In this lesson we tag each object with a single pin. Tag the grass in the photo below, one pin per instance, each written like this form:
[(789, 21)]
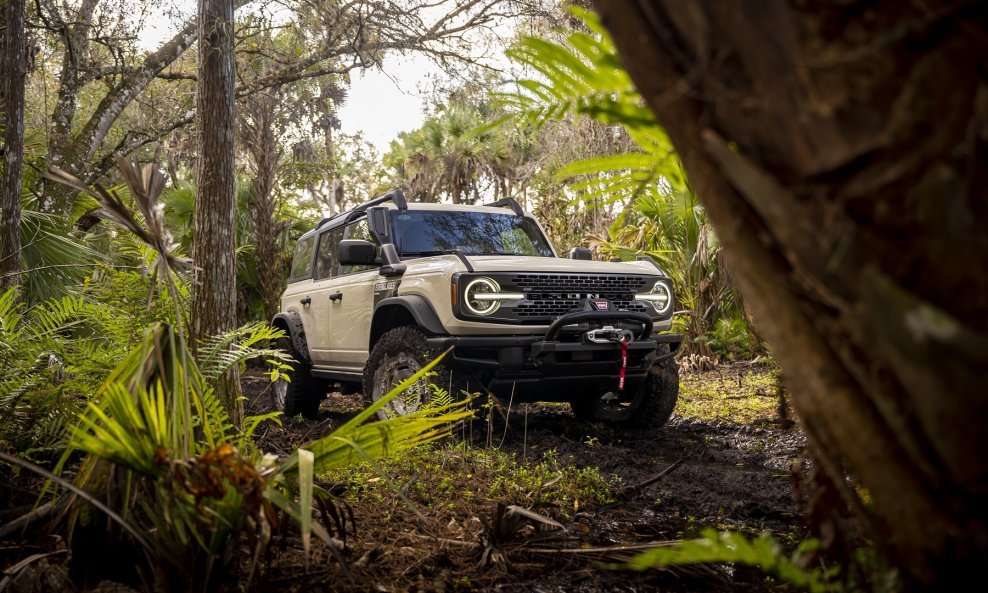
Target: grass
[(472, 480), (739, 394)]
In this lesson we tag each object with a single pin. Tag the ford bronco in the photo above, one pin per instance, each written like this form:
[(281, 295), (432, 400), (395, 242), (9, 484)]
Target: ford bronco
[(378, 291)]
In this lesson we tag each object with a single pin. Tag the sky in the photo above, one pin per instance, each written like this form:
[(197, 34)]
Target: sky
[(383, 102)]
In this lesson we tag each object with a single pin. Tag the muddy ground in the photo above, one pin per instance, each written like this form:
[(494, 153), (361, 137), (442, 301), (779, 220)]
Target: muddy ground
[(697, 472), (531, 500)]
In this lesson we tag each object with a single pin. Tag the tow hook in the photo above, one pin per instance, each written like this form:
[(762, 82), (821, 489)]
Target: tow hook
[(610, 335)]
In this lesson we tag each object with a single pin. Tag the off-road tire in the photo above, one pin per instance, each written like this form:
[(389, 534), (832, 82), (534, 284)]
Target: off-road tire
[(303, 393), (651, 406), (398, 354)]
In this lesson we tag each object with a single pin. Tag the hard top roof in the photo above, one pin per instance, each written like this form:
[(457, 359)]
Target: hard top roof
[(395, 200)]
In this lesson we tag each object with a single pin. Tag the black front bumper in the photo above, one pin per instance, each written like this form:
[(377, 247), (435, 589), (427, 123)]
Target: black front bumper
[(560, 364)]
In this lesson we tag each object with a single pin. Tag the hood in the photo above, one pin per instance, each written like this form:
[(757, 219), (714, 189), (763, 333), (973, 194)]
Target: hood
[(520, 263)]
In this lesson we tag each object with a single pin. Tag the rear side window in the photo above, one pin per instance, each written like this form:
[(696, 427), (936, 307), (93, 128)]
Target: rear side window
[(302, 263), (328, 255)]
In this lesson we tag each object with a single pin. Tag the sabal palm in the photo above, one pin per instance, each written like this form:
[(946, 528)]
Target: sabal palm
[(449, 155), (672, 228)]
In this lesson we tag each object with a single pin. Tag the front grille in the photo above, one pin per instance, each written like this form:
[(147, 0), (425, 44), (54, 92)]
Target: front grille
[(595, 283), (550, 295)]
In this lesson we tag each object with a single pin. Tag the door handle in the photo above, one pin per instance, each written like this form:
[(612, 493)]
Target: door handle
[(306, 300), (336, 296)]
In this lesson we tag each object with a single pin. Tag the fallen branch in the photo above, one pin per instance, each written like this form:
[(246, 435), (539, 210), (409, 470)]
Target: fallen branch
[(38, 514), (635, 489)]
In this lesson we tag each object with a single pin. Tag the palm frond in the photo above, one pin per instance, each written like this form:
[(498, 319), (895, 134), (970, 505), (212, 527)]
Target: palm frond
[(355, 442), (584, 77)]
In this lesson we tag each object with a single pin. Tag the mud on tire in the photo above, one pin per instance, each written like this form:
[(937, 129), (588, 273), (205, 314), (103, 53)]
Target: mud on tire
[(397, 355), (650, 407), (303, 393)]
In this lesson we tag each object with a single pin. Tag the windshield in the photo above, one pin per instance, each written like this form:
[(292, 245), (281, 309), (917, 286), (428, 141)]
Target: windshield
[(432, 232)]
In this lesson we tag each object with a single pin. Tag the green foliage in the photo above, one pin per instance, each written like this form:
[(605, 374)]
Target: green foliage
[(54, 355), (450, 156), (194, 486), (59, 352), (218, 354), (762, 552), (728, 394), (178, 204), (584, 77), (731, 339), (453, 476)]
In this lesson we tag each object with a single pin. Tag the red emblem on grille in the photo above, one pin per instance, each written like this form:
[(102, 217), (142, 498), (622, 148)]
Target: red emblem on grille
[(601, 305)]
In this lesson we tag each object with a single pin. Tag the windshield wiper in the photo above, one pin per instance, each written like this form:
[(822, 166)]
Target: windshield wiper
[(430, 253)]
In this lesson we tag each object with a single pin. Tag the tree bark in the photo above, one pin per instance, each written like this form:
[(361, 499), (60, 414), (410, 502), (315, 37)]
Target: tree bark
[(13, 69), (262, 147), (214, 302), (840, 151)]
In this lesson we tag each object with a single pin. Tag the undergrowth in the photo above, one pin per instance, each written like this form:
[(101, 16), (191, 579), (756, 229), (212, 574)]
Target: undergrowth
[(738, 394), (461, 476)]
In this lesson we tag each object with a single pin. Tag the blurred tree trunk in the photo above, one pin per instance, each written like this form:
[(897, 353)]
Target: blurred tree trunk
[(13, 68), (840, 151), (214, 303), (262, 148)]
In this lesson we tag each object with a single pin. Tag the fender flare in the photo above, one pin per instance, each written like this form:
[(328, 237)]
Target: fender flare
[(291, 322), (417, 306)]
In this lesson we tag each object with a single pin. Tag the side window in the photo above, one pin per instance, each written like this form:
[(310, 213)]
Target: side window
[(302, 262), (328, 254), (360, 230)]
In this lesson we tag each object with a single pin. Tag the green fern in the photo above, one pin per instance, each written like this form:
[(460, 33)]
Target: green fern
[(440, 397), (54, 354), (218, 354), (583, 77)]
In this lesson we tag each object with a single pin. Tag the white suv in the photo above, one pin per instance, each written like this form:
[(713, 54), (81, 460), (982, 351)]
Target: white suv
[(377, 292)]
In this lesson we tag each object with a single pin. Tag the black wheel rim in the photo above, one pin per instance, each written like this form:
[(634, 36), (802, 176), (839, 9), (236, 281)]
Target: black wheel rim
[(394, 370)]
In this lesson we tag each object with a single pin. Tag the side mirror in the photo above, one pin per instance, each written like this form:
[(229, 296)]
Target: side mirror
[(581, 253), (356, 252)]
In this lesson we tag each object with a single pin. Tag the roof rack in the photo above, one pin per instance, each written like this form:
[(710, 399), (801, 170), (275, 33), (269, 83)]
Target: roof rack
[(392, 196), (510, 203)]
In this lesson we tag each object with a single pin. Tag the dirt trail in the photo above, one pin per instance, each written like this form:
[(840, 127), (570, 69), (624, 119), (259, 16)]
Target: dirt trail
[(717, 474)]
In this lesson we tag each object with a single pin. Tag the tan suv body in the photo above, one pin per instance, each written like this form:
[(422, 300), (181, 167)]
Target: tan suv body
[(375, 292)]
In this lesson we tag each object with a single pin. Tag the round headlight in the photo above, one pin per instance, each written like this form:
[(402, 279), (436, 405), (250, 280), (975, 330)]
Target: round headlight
[(663, 297), (475, 293), (660, 296)]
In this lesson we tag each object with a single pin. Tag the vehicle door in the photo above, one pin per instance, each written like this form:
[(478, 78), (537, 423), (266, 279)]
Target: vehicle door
[(324, 280), (297, 296), (354, 304)]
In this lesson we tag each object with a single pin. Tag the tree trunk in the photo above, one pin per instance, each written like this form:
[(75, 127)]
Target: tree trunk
[(262, 147), (214, 303), (840, 151), (13, 68)]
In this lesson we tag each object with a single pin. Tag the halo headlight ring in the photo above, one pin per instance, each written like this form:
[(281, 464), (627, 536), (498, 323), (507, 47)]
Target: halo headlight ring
[(662, 305), (660, 297), (480, 286)]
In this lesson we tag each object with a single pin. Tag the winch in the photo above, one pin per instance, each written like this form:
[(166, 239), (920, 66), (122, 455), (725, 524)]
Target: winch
[(610, 334)]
